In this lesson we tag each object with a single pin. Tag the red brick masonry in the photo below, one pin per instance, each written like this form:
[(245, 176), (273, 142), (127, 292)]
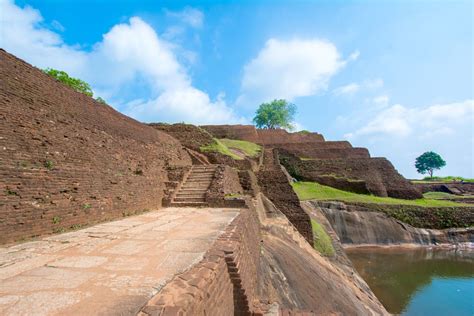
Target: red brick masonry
[(223, 283)]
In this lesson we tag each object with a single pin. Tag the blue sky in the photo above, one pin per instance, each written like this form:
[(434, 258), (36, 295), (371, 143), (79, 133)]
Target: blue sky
[(393, 76)]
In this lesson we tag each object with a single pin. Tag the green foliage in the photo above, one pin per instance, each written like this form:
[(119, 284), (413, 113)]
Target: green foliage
[(445, 196), (56, 220), (428, 162), (248, 148), (316, 191), (76, 84), (100, 100), (276, 114), (10, 192), (322, 241), (305, 132), (49, 164), (218, 147)]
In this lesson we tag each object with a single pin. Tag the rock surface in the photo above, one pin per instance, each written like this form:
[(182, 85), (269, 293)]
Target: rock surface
[(376, 228)]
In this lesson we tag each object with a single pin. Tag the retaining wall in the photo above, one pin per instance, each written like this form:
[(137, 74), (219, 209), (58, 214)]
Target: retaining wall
[(223, 283), (67, 160)]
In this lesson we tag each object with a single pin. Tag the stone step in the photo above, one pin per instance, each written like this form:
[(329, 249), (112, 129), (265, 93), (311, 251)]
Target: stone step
[(191, 192), (203, 171), (195, 185), (186, 199), (192, 189), (206, 176), (190, 204), (199, 180), (191, 196)]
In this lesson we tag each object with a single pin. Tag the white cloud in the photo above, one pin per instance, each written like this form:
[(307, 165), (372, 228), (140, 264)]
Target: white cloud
[(191, 16), (401, 121), (130, 54), (347, 89), (290, 69), (381, 100), (354, 87)]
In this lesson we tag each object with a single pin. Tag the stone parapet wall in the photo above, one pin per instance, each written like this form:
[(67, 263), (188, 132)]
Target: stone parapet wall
[(379, 175), (278, 136), (223, 283), (67, 160), (241, 132)]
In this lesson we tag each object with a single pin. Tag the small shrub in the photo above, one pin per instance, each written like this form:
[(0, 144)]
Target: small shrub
[(49, 165), (76, 84), (56, 220), (86, 206), (100, 100), (11, 192)]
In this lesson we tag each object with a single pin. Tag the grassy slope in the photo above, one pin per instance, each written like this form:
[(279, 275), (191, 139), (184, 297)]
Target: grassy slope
[(220, 147), (322, 241), (250, 149), (448, 179), (445, 196), (311, 190)]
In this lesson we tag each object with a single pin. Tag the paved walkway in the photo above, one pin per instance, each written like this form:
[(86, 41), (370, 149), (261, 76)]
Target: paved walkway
[(107, 269)]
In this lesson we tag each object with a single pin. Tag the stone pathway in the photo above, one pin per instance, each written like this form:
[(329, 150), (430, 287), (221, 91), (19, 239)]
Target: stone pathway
[(108, 269)]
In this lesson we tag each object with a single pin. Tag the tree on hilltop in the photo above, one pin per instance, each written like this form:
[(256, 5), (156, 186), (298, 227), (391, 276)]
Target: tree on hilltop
[(428, 162), (275, 114)]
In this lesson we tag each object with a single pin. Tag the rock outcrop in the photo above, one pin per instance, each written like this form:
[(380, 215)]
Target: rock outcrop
[(359, 228)]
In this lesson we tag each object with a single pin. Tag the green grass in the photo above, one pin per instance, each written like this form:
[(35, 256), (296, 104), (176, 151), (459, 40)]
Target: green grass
[(248, 148), (447, 179), (445, 196), (322, 241), (219, 147), (315, 191)]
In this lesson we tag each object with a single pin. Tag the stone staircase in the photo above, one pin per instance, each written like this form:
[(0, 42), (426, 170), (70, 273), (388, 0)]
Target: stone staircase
[(192, 191)]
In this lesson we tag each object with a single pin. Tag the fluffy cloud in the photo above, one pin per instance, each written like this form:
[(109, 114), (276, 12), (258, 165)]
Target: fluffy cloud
[(131, 56), (401, 121), (290, 69)]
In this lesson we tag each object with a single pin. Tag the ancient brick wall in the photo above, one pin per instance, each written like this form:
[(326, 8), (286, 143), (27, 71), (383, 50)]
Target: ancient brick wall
[(275, 185), (189, 135), (67, 160), (278, 136), (328, 153), (223, 283), (242, 132), (379, 175)]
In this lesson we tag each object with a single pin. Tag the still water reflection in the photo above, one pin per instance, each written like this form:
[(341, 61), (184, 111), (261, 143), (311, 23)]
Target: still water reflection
[(419, 281)]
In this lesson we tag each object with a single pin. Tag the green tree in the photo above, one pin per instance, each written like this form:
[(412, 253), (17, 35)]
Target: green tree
[(76, 84), (276, 114), (428, 162)]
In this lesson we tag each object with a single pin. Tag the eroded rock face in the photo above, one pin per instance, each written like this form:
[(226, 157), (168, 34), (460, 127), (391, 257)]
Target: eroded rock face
[(376, 228)]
